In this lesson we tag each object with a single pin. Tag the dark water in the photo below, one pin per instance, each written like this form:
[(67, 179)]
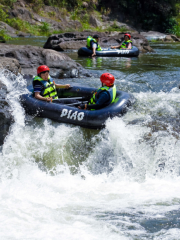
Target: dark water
[(126, 178)]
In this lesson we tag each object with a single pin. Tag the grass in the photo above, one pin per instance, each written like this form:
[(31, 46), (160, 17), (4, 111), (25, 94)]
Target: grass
[(4, 37), (154, 40), (176, 30)]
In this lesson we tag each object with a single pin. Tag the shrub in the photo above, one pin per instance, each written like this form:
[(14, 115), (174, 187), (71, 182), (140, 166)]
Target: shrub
[(8, 2), (4, 36), (52, 14), (45, 28), (176, 30)]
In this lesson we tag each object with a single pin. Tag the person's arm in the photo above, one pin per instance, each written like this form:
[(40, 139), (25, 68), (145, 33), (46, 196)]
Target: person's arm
[(38, 96), (113, 47), (94, 49), (103, 98), (94, 52), (66, 86), (129, 46)]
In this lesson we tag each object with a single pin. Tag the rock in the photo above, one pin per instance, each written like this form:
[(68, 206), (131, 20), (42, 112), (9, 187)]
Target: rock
[(8, 30), (21, 4), (85, 4), (30, 57), (168, 38), (72, 44), (12, 31), (10, 64), (176, 39), (35, 19), (94, 21), (105, 18), (22, 13), (5, 113)]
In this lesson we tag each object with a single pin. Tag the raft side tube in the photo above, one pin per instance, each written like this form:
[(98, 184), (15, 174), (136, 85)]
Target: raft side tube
[(70, 114), (134, 52)]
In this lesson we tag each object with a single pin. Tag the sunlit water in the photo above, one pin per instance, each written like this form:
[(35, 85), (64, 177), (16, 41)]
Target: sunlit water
[(59, 181)]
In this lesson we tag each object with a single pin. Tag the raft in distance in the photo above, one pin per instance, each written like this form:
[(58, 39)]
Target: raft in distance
[(108, 52)]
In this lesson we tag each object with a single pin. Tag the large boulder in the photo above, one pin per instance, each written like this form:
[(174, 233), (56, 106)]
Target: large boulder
[(168, 38), (76, 40), (10, 64), (30, 57), (12, 31), (5, 113), (6, 118), (94, 21)]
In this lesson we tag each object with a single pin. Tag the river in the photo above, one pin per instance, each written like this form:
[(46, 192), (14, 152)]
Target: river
[(59, 181)]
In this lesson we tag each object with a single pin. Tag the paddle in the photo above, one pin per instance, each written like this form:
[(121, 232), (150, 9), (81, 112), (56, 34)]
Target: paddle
[(75, 98), (77, 103)]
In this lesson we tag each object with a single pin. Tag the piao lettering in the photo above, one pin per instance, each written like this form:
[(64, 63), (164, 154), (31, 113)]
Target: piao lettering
[(72, 115), (123, 52)]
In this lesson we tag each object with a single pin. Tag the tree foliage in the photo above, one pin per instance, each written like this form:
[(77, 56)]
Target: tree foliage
[(147, 14), (143, 14)]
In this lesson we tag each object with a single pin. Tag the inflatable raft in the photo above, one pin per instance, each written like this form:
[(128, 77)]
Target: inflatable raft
[(71, 114), (134, 52)]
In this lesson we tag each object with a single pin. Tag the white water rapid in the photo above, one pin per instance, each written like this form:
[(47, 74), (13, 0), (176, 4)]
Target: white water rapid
[(63, 182)]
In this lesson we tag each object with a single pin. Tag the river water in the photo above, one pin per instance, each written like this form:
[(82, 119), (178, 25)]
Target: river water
[(59, 181)]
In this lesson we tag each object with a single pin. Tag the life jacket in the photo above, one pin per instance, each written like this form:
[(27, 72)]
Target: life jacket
[(49, 87), (111, 91), (125, 44), (89, 43)]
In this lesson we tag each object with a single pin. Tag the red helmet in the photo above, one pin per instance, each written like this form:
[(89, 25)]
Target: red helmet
[(42, 68), (127, 34), (108, 79)]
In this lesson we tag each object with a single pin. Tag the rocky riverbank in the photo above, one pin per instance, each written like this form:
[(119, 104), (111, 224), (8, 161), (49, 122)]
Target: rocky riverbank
[(29, 57)]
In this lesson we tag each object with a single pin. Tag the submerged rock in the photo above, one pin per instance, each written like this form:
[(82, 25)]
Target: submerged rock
[(76, 40)]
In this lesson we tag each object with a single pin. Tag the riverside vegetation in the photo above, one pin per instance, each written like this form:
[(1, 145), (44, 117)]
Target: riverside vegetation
[(160, 15)]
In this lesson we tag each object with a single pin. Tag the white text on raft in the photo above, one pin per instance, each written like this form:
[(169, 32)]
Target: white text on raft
[(123, 52), (74, 115)]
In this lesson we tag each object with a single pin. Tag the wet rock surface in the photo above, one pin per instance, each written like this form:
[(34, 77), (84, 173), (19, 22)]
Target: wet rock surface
[(30, 57), (10, 64), (6, 65), (5, 113), (76, 40)]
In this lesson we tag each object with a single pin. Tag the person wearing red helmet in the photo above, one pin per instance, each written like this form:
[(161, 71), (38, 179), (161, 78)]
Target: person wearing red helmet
[(126, 44), (104, 95), (44, 86)]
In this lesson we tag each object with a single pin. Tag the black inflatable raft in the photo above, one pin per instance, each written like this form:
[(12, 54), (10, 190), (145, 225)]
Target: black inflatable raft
[(70, 114), (134, 52)]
